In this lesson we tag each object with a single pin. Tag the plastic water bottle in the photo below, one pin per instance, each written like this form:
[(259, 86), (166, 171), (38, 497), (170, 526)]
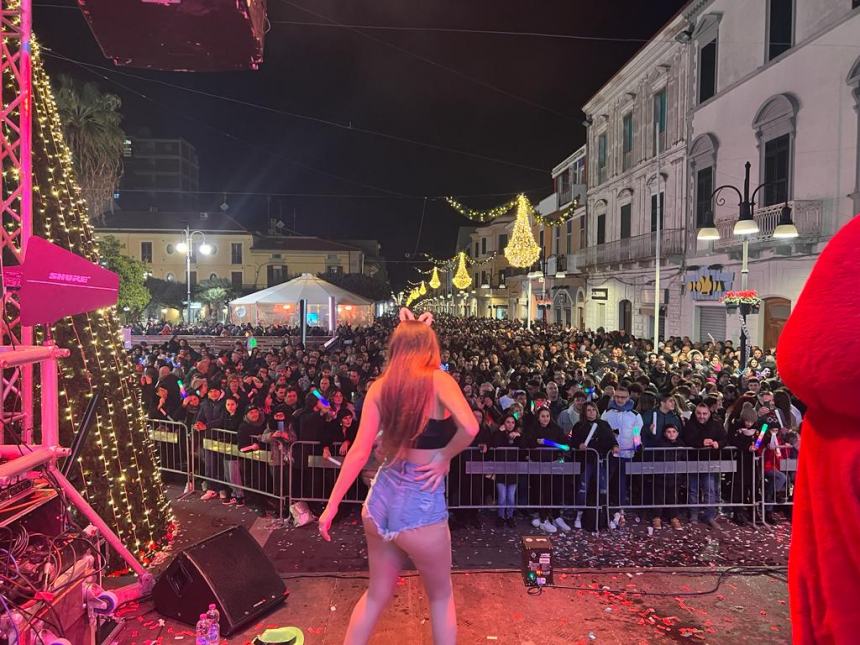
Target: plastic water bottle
[(214, 619), (202, 631)]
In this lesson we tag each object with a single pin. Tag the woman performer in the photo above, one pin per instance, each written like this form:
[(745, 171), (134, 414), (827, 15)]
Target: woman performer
[(425, 421)]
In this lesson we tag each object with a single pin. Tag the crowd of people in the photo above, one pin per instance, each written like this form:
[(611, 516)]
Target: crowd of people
[(579, 392), (220, 329)]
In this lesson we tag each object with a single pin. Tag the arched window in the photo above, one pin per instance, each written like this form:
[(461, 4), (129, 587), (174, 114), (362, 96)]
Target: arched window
[(703, 167), (775, 125), (625, 316)]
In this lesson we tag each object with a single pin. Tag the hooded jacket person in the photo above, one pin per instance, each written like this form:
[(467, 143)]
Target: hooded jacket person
[(624, 421), (655, 420)]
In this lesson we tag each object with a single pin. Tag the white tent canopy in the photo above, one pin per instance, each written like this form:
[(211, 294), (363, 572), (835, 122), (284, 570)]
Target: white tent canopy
[(280, 304)]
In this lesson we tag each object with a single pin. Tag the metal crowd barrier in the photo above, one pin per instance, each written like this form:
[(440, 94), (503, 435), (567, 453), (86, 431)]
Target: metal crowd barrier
[(224, 467), (776, 487), (663, 482), (173, 447), (514, 478), (675, 482), (312, 475), (539, 478)]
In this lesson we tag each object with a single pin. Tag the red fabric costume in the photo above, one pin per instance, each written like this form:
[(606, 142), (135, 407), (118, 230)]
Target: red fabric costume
[(819, 358)]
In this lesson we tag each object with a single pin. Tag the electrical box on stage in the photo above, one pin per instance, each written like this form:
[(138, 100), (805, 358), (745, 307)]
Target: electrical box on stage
[(537, 560)]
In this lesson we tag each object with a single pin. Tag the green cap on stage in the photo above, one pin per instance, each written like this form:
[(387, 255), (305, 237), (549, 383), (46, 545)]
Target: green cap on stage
[(280, 636)]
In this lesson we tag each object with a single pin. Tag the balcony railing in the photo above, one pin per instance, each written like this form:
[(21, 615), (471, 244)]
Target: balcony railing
[(806, 215), (565, 196), (632, 249)]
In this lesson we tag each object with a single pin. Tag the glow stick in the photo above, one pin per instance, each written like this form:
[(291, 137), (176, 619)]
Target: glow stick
[(320, 397), (334, 461), (761, 435), (637, 436), (591, 433), (553, 444), (182, 389)]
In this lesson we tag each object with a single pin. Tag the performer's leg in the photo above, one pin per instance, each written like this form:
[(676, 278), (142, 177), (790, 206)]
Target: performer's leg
[(385, 560), (429, 547)]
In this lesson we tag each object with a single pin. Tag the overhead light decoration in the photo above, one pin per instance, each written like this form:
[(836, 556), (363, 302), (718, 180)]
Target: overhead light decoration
[(422, 290), (522, 250), (462, 279), (435, 283)]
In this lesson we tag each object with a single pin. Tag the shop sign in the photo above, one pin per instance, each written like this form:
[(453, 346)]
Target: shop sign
[(709, 284), (600, 294)]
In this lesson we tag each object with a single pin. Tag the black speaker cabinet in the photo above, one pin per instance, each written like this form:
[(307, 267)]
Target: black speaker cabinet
[(229, 569)]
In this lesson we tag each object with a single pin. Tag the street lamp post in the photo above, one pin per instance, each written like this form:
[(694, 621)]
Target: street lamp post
[(187, 247), (744, 227)]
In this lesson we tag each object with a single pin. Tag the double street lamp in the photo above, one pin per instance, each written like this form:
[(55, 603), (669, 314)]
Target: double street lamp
[(186, 246), (745, 226)]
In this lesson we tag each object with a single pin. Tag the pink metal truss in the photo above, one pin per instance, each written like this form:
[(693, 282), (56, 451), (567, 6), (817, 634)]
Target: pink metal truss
[(16, 180)]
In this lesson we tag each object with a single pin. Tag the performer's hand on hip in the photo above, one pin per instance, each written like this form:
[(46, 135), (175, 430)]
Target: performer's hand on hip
[(433, 474), (326, 520)]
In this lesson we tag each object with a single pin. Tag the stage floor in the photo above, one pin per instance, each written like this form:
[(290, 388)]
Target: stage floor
[(494, 606)]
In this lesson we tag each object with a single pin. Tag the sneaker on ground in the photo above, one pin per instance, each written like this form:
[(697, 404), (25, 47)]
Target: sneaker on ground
[(536, 522), (560, 523), (577, 523), (713, 524), (189, 488), (240, 501), (229, 501), (548, 526), (209, 494)]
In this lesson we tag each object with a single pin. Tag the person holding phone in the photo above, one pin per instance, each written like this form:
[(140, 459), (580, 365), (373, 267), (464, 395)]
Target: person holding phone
[(424, 422)]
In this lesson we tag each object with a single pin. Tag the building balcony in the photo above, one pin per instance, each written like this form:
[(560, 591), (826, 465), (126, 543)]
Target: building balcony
[(806, 215), (574, 193), (567, 264), (631, 249)]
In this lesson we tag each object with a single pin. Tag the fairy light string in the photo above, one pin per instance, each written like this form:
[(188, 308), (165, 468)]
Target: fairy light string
[(118, 468)]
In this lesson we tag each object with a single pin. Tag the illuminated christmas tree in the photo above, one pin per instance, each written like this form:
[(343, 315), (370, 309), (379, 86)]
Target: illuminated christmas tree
[(117, 470)]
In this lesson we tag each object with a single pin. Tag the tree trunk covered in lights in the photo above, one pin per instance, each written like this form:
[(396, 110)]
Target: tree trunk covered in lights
[(117, 470)]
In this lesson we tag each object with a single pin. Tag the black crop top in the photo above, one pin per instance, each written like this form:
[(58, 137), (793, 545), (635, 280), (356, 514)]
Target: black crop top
[(437, 433)]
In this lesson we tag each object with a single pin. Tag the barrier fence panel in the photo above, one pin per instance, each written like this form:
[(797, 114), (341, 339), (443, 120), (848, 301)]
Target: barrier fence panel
[(314, 470), (776, 477), (499, 478), (224, 468), (682, 482), (172, 444), (506, 479)]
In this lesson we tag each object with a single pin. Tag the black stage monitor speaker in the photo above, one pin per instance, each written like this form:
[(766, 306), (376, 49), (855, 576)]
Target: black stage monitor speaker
[(229, 569)]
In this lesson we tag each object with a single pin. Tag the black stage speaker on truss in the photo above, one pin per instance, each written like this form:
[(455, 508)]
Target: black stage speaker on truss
[(229, 569)]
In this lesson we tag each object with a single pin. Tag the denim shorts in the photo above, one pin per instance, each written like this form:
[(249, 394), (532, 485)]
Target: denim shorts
[(396, 502)]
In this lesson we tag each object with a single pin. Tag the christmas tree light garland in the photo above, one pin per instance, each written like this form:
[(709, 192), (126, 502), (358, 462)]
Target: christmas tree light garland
[(435, 283), (119, 467), (522, 251), (461, 278)]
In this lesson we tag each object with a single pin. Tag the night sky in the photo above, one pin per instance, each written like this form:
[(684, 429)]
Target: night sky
[(511, 98)]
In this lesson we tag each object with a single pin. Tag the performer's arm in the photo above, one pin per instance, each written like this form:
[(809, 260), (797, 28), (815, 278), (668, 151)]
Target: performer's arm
[(451, 396), (360, 450)]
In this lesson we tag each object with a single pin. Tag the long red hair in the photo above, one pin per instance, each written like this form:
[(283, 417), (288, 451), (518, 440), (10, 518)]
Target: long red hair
[(407, 385)]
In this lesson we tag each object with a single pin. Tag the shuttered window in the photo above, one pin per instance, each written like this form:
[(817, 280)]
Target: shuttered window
[(712, 320)]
